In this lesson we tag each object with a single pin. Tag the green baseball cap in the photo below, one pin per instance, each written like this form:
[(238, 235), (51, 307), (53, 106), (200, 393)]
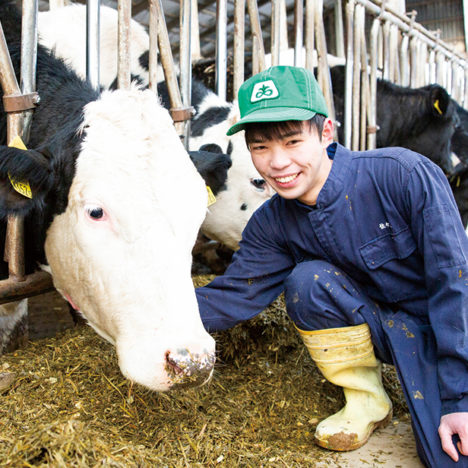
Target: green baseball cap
[(278, 94)]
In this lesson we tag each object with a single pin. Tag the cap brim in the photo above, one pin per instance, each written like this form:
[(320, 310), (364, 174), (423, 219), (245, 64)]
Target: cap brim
[(271, 114)]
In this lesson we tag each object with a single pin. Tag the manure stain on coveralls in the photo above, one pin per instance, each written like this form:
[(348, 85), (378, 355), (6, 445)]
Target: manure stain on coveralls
[(417, 395), (349, 203), (408, 333)]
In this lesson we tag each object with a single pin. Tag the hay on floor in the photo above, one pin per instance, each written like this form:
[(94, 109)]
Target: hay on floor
[(69, 406)]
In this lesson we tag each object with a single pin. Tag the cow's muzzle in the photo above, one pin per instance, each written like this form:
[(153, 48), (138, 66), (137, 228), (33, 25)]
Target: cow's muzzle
[(186, 369)]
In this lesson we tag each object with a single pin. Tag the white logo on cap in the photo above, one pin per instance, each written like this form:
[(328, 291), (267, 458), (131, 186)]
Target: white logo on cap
[(264, 90)]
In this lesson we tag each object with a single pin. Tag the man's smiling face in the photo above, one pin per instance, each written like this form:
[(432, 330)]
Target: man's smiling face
[(295, 164)]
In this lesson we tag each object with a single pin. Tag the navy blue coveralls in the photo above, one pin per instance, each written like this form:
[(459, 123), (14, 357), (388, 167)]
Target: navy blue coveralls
[(385, 245)]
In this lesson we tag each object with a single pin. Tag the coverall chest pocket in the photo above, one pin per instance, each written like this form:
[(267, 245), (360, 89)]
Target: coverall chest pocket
[(394, 266)]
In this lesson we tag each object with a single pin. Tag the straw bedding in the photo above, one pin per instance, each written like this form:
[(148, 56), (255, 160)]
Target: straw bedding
[(67, 405)]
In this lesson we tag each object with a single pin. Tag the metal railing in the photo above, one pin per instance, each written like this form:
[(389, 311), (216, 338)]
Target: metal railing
[(18, 104)]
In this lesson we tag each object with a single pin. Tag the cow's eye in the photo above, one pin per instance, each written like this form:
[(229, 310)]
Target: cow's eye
[(95, 212), (259, 184)]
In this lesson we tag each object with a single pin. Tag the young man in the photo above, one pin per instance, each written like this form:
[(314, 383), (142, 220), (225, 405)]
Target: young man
[(371, 254)]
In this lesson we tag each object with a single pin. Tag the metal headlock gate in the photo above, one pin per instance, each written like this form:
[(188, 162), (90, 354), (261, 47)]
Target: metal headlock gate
[(395, 47), (18, 104)]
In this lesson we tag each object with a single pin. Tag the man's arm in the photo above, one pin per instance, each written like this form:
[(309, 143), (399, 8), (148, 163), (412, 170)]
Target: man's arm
[(443, 244), (252, 281)]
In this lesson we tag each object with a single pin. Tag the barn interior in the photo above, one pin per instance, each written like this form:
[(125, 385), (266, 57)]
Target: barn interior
[(68, 405)]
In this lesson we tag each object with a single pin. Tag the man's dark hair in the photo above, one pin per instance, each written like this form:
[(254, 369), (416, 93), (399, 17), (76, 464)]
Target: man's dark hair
[(277, 130)]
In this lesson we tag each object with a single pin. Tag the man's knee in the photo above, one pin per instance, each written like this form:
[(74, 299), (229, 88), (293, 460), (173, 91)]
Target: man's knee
[(308, 278), (308, 293)]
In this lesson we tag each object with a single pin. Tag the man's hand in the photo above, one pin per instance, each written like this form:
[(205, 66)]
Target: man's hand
[(450, 424)]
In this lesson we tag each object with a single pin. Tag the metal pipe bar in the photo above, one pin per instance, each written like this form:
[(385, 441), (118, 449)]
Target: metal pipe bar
[(93, 16), (404, 24), (339, 29), (239, 33), (404, 61), (28, 58), (221, 48), (14, 250), (35, 283), (153, 46), (414, 53), (166, 59), (185, 58), (310, 34), (386, 50), (124, 10), (358, 27), (365, 87), (393, 53), (258, 49), (440, 68), (7, 73), (195, 33), (348, 109), (372, 118), (324, 78), (19, 286), (275, 32), (432, 66), (283, 20), (298, 32)]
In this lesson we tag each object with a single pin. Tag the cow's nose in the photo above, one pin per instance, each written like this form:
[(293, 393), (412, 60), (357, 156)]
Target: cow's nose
[(187, 369)]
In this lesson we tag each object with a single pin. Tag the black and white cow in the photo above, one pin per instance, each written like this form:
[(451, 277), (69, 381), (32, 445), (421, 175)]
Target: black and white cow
[(244, 190), (421, 119), (108, 222)]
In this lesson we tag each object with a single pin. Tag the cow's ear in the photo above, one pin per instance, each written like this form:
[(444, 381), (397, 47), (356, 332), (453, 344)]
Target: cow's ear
[(439, 101), (25, 180)]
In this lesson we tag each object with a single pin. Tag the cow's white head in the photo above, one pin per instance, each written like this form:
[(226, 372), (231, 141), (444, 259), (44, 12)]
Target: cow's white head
[(121, 250), (245, 190)]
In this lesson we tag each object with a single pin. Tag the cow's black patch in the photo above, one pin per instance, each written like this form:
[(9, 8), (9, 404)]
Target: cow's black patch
[(212, 116), (143, 60), (212, 166)]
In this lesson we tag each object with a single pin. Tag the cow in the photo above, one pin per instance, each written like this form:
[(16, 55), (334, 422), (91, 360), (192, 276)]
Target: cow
[(459, 184), (244, 190), (421, 119), (106, 220), (460, 136)]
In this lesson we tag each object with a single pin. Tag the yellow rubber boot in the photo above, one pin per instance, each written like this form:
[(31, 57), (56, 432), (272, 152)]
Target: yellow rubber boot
[(345, 356)]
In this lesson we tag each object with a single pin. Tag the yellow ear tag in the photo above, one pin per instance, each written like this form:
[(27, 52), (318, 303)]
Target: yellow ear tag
[(211, 197), (21, 187), (437, 108)]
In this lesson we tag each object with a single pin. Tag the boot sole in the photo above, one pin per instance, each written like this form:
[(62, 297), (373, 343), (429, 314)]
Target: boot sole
[(346, 444)]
